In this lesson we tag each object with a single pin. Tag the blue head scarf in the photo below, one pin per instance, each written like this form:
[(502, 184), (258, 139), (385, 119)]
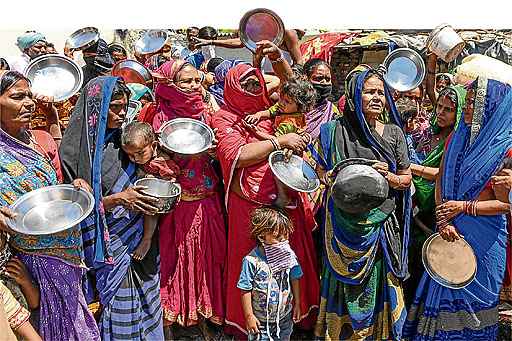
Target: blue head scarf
[(138, 90), (29, 39), (217, 89)]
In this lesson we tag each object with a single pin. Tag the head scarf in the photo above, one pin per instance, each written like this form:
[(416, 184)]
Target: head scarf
[(138, 91), (29, 39), (98, 64), (173, 101), (85, 153), (239, 101), (217, 89)]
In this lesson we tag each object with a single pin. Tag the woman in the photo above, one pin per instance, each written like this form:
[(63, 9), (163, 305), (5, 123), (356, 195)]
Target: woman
[(249, 183), (29, 160), (193, 235), (318, 73), (473, 155), (448, 114), (90, 150), (361, 295), (217, 89)]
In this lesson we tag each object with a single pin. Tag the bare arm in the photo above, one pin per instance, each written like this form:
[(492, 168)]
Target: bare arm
[(291, 40), (492, 207), (431, 78), (427, 173), (439, 199), (254, 153), (234, 43), (252, 323)]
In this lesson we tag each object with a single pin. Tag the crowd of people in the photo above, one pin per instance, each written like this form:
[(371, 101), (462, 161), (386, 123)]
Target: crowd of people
[(241, 255)]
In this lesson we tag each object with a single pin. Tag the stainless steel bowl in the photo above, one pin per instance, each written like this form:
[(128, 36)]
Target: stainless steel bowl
[(151, 41), (167, 192), (261, 24), (296, 173), (54, 75), (83, 38), (405, 69), (186, 136), (132, 72), (51, 209)]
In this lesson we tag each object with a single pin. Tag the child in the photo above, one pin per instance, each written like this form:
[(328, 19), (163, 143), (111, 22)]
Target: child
[(139, 142), (296, 98), (268, 272)]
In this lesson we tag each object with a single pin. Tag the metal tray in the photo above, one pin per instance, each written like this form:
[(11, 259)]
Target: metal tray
[(186, 136), (405, 69), (83, 38), (152, 41), (50, 209), (296, 173), (261, 24), (132, 72), (54, 75)]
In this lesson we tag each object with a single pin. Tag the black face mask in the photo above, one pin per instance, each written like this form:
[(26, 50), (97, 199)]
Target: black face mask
[(323, 92)]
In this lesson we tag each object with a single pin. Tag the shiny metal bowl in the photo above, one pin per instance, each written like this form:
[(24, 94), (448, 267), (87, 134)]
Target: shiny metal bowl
[(54, 75), (261, 24), (151, 41), (83, 38), (186, 136), (167, 192), (132, 72), (50, 209), (296, 173), (405, 69)]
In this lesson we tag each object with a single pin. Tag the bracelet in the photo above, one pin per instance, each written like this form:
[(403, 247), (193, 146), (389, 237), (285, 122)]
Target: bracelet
[(277, 143), (278, 60), (273, 144)]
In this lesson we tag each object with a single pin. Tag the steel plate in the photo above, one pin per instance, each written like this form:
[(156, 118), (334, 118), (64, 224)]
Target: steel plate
[(83, 38), (132, 72), (296, 173), (152, 41), (186, 136), (405, 69), (261, 24)]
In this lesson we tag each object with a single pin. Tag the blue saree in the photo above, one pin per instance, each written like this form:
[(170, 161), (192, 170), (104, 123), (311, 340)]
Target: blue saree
[(128, 290), (473, 156)]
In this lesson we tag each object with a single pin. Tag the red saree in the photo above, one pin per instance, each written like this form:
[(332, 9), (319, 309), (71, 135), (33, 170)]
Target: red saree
[(258, 188)]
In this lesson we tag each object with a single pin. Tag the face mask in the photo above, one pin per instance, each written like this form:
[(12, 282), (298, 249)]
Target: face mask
[(280, 256), (323, 91)]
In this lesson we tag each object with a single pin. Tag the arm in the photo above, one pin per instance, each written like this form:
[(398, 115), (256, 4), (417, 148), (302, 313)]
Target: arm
[(253, 325), (280, 66), (291, 40), (427, 173), (431, 78), (272, 83), (16, 270), (296, 298), (234, 43), (439, 199), (27, 332)]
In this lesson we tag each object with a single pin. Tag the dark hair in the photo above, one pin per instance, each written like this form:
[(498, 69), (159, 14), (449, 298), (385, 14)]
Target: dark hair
[(298, 71), (450, 93), (313, 63), (116, 48), (4, 65), (137, 130), (120, 89), (270, 220), (9, 79), (213, 63), (192, 28), (207, 32), (407, 108), (301, 92), (443, 77)]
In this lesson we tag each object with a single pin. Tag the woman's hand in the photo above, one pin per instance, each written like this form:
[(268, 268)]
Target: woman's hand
[(252, 324), (198, 42), (269, 49), (6, 213), (293, 141), (449, 210), (45, 103), (16, 270), (133, 199), (82, 184), (449, 233)]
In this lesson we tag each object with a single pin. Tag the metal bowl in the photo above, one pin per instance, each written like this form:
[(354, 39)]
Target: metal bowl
[(167, 192), (261, 24), (296, 173), (83, 38), (50, 209), (405, 69), (186, 136), (132, 72), (54, 75), (152, 41), (451, 264)]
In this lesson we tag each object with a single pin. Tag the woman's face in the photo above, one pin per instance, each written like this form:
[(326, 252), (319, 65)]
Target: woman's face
[(321, 75), (469, 107), (117, 112), (374, 98), (251, 84), (16, 107), (441, 84), (188, 79), (446, 112)]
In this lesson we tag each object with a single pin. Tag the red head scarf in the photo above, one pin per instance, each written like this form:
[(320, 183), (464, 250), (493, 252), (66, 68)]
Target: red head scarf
[(239, 101), (173, 102)]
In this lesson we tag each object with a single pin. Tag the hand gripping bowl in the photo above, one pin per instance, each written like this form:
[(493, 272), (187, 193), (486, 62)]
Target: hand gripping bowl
[(451, 264), (56, 76), (83, 38), (261, 24), (167, 192), (186, 136), (296, 173), (151, 41), (50, 209), (405, 69)]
